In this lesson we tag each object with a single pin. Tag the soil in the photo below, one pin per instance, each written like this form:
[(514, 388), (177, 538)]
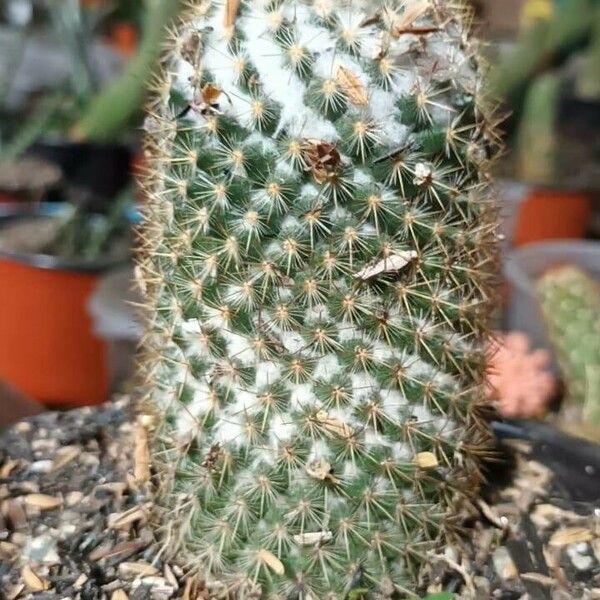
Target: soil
[(37, 236), (75, 511), (28, 175), (29, 236)]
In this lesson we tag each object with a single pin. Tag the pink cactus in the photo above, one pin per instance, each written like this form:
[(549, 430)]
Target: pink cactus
[(520, 382)]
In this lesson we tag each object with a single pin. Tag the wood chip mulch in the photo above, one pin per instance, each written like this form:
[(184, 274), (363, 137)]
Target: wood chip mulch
[(74, 524), (73, 519), (532, 542)]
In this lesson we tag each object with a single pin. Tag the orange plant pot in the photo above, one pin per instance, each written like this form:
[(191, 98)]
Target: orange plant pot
[(553, 214), (124, 37), (47, 348), (6, 198)]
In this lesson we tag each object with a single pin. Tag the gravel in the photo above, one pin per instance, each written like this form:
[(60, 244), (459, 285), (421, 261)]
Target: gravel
[(76, 509)]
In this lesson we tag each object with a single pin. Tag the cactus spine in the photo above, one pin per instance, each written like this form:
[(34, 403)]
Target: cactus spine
[(570, 300), (316, 261)]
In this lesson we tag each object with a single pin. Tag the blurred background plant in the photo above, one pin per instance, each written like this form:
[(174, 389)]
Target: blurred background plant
[(546, 74), (73, 76), (550, 83), (520, 381), (71, 95), (58, 55), (570, 301)]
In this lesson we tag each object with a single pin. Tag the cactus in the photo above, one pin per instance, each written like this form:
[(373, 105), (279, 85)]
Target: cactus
[(570, 302), (537, 142), (544, 47), (588, 84), (532, 80), (317, 258)]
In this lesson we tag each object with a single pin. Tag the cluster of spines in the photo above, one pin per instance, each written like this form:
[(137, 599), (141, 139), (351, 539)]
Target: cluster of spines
[(264, 240)]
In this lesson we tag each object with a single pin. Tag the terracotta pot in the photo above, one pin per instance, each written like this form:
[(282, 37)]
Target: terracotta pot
[(7, 198), (547, 214), (124, 38), (47, 347)]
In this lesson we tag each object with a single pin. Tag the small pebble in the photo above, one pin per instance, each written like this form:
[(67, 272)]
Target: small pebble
[(19, 539), (23, 428), (73, 498), (44, 445), (578, 553), (89, 460), (158, 586), (504, 565), (131, 570), (41, 466), (42, 550)]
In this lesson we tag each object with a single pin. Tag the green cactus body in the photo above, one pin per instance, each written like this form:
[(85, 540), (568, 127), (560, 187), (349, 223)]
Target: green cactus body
[(537, 141), (570, 301), (317, 257)]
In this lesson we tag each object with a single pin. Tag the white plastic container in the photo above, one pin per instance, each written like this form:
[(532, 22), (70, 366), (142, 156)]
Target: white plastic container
[(510, 195), (525, 265), (115, 320)]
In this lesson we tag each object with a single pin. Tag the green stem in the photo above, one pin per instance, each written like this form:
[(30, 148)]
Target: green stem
[(70, 29), (33, 129), (112, 110), (536, 137), (115, 219)]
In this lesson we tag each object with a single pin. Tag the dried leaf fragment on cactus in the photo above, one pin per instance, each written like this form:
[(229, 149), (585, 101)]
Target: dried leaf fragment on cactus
[(317, 259)]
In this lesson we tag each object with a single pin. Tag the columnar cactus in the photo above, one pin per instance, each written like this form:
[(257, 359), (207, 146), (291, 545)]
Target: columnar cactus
[(317, 257), (570, 301)]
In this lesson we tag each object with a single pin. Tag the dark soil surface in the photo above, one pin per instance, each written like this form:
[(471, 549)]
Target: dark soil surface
[(29, 236), (73, 519), (74, 523)]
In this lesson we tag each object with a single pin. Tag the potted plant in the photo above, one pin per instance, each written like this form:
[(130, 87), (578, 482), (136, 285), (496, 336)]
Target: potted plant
[(570, 300), (51, 257), (81, 132), (554, 289), (336, 425), (548, 82), (81, 126), (314, 267), (314, 351)]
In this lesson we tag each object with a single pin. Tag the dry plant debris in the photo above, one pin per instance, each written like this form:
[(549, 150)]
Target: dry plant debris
[(74, 511), (531, 543)]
